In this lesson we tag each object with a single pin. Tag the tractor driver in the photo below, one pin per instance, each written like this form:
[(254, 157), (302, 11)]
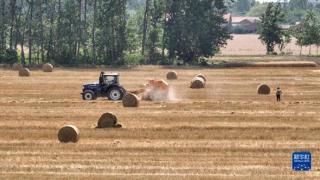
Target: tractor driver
[(101, 81)]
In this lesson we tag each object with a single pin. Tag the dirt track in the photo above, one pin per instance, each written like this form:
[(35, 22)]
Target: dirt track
[(223, 131)]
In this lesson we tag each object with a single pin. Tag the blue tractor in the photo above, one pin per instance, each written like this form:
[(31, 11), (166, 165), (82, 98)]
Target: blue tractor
[(108, 86)]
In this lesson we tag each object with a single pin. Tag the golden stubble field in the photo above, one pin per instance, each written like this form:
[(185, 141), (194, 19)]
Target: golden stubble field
[(224, 131), (249, 44)]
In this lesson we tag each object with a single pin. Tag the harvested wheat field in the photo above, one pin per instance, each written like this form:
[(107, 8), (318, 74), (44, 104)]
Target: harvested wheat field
[(223, 131), (250, 44)]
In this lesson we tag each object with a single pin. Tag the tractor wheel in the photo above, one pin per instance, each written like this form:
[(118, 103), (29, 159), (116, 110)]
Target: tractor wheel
[(115, 94), (88, 95)]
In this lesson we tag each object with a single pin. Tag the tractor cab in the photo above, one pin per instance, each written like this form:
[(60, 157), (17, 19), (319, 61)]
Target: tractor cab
[(109, 79)]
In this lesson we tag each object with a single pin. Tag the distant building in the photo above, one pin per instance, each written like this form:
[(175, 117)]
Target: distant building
[(242, 24), (249, 24)]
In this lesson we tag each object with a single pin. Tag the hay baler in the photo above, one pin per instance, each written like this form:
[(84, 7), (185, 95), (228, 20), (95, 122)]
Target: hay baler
[(154, 90)]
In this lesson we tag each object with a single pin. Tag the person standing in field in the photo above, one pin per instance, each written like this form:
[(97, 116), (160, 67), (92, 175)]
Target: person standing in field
[(278, 94), (101, 78)]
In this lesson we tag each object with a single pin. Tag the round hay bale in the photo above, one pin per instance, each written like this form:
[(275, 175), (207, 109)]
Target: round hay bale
[(107, 120), (197, 83), (172, 75), (17, 66), (202, 76), (118, 126), (25, 72), (69, 133), (264, 89), (130, 100), (47, 67)]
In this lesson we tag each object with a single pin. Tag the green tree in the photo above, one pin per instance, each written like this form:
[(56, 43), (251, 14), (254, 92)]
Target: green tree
[(242, 6), (30, 28), (297, 32), (93, 32), (134, 31), (269, 31), (307, 32), (3, 27), (311, 30), (285, 40), (154, 41), (195, 29), (111, 31), (257, 10), (298, 4), (71, 32), (145, 25)]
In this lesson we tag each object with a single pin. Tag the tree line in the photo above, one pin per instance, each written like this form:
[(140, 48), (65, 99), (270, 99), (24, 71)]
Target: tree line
[(307, 32), (111, 32)]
